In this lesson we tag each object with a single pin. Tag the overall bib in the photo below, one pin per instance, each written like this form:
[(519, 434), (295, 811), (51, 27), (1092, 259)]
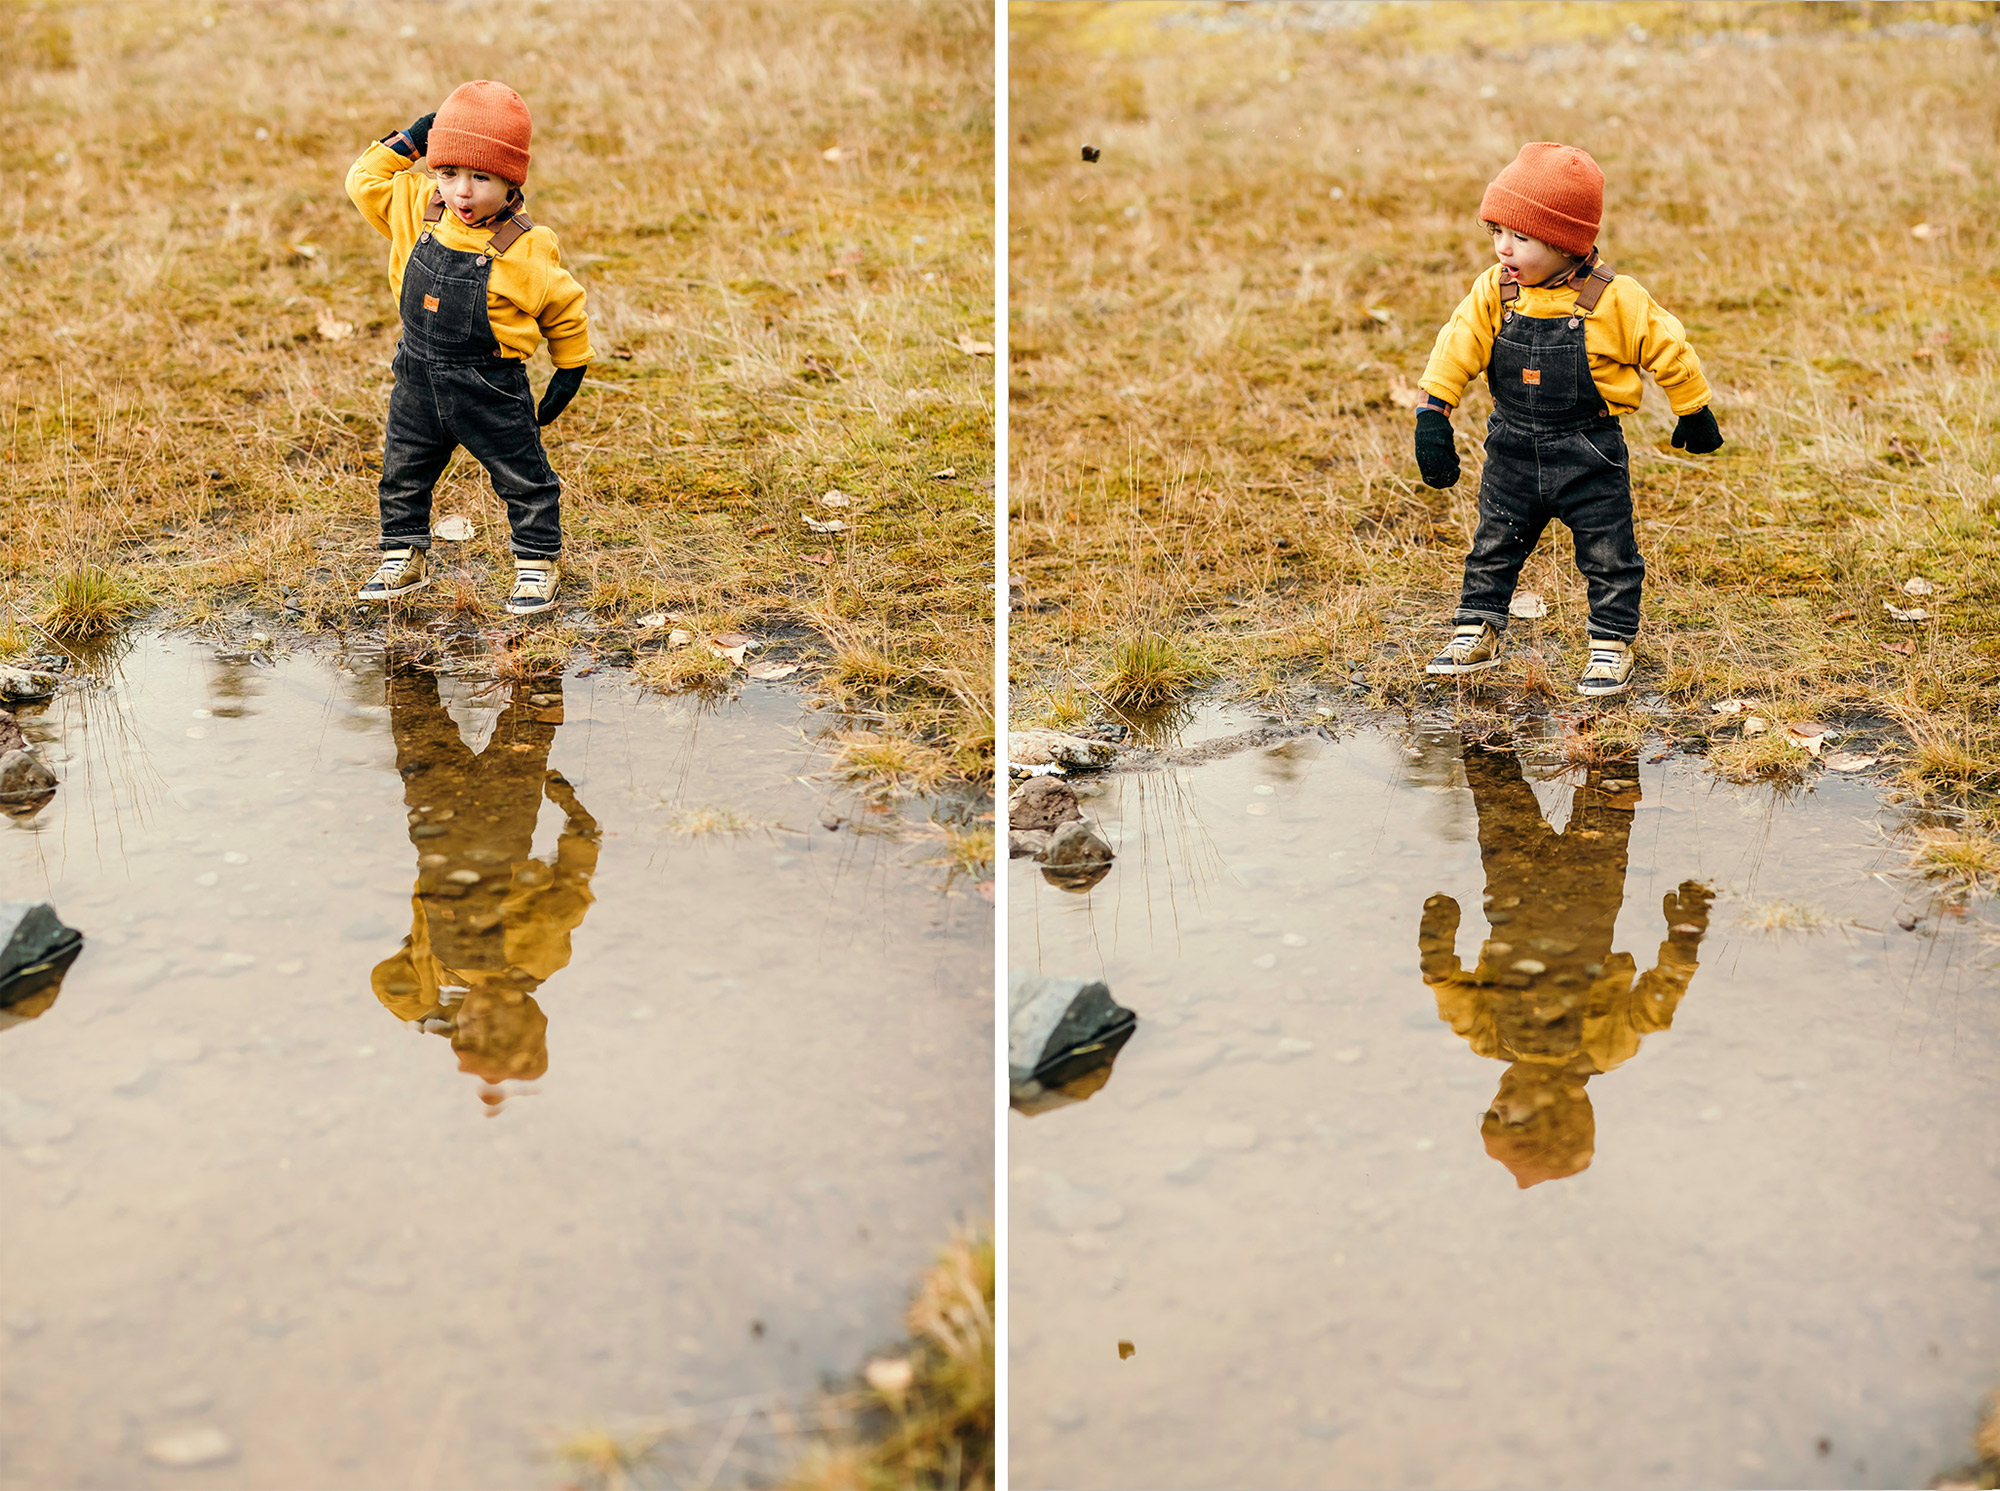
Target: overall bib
[(454, 387), (1553, 452)]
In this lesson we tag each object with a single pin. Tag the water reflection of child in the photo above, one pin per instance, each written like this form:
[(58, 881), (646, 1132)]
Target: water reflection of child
[(491, 923), (1548, 995)]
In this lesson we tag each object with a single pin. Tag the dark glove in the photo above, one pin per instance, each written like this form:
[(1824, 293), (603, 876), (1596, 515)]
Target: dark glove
[(1697, 433), (555, 398), (1437, 456), (420, 134)]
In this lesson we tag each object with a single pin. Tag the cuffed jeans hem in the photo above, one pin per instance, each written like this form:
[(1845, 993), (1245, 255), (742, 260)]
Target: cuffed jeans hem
[(414, 541), (538, 558), (1496, 619), (1606, 634)]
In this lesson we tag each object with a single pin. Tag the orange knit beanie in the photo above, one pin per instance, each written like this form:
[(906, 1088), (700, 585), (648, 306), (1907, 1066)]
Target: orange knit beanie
[(482, 127), (1551, 192)]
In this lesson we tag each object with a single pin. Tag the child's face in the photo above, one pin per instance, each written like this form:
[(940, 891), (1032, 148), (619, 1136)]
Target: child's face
[(1530, 259), (473, 195)]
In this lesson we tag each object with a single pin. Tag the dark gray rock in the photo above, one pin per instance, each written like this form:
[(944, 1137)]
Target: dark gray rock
[(36, 950), (1077, 846), (25, 683), (11, 738), (25, 783), (1060, 1030), (1042, 803)]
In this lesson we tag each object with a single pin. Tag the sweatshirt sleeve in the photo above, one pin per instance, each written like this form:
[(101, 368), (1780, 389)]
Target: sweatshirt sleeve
[(564, 322), (371, 183), (1656, 341), (1465, 344)]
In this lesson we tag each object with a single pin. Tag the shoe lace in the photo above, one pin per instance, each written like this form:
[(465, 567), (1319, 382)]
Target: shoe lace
[(1605, 660)]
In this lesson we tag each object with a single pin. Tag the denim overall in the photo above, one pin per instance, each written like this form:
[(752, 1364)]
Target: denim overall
[(454, 386), (1553, 451)]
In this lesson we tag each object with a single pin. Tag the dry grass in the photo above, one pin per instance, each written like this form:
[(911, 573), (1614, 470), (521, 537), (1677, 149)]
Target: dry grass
[(711, 821), (936, 1434), (1782, 916), (1965, 860), (769, 322), (890, 762), (1211, 324)]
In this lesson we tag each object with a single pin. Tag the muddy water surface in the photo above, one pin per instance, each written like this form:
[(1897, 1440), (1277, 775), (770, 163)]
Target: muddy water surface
[(1486, 1126), (423, 1095)]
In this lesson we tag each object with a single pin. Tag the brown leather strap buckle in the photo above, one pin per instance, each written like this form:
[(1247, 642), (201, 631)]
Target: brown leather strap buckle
[(436, 208), (1592, 278), (510, 233)]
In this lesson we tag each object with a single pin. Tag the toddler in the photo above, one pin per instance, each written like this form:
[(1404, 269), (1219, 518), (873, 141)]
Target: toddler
[(1563, 340), (479, 286)]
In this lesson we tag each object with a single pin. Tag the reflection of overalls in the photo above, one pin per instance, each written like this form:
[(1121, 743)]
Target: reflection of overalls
[(455, 387), (1548, 995), (1552, 451), (491, 924)]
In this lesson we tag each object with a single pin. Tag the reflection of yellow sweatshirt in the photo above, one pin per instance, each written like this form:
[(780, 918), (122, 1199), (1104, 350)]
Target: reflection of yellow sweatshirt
[(1626, 335), (530, 296)]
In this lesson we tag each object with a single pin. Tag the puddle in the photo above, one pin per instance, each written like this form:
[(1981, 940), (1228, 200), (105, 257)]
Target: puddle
[(1467, 1140), (425, 1094)]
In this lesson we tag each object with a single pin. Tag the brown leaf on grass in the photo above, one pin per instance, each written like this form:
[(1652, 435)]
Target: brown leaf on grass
[(1401, 394), (1381, 313), (890, 1376), (1921, 230), (837, 153), (732, 645), (822, 558), (831, 525), (972, 346), (944, 475), (1848, 761), (1901, 649), (834, 497), (679, 638), (455, 529), (771, 672), (1527, 605), (1918, 585), (304, 250), (763, 528), (1915, 615), (657, 619), (623, 354), (332, 328), (1729, 706), (1755, 724), (1808, 737), (1839, 616)]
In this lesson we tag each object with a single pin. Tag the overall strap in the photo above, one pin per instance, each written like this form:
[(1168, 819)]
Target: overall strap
[(436, 208), (1591, 279), (1510, 289), (510, 233)]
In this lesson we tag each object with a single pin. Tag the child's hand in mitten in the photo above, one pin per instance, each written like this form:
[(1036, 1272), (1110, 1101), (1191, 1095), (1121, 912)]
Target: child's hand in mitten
[(1437, 456), (555, 398), (1697, 433), (420, 133)]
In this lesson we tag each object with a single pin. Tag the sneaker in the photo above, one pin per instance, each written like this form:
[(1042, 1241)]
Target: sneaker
[(535, 583), (1609, 670), (400, 572), (1473, 648)]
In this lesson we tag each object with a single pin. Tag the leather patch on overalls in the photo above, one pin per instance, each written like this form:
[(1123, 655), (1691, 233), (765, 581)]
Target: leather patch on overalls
[(430, 302), (1528, 375)]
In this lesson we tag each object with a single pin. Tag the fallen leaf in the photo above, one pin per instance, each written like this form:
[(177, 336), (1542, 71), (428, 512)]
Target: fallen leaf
[(1755, 724), (834, 497), (1808, 738), (623, 354), (1838, 617), (945, 475), (305, 250), (821, 558), (1849, 761), (831, 525), (455, 529), (1921, 230), (837, 154), (1924, 354), (1901, 649), (1527, 605), (972, 346), (657, 619), (891, 1376), (1401, 394), (718, 647), (332, 328), (679, 638), (1729, 706), (763, 528), (1914, 614), (1917, 585), (771, 672), (836, 273), (1381, 313)]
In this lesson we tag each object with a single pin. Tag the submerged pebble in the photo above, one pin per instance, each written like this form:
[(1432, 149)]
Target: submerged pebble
[(191, 1448)]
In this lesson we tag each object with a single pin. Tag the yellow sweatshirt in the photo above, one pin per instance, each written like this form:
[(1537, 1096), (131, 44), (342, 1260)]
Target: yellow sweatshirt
[(1627, 334), (529, 296)]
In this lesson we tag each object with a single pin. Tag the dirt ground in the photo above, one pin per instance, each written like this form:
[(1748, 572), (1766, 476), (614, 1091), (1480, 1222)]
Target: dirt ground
[(782, 215), (1217, 328)]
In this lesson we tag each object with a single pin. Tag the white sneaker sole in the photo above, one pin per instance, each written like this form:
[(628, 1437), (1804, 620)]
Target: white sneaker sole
[(1452, 670), (1604, 693), (367, 597), (547, 605)]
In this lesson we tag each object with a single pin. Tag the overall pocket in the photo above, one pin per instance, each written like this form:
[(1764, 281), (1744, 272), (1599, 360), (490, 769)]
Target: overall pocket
[(1604, 448), (441, 309)]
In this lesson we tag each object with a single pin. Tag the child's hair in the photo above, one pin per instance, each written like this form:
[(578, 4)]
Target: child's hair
[(1493, 227)]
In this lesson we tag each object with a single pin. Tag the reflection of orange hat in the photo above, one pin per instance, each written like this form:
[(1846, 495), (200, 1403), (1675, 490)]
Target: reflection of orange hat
[(499, 1032), (1540, 1126)]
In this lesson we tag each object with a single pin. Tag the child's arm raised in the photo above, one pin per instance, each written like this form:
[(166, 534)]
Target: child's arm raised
[(371, 180)]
